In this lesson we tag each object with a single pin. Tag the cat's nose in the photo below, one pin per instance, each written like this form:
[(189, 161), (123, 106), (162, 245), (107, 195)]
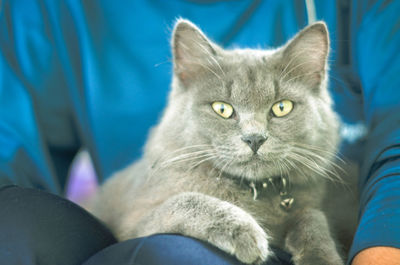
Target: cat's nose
[(254, 141)]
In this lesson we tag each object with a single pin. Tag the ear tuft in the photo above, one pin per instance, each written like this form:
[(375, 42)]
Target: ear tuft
[(192, 50), (305, 55)]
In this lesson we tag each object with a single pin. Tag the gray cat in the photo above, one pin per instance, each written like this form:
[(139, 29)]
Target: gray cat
[(242, 154)]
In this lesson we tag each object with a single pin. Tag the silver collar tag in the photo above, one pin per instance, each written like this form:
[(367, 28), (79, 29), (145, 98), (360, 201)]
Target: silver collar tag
[(281, 185), (286, 199)]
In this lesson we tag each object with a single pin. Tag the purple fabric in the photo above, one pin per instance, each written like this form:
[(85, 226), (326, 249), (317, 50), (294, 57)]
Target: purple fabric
[(82, 179)]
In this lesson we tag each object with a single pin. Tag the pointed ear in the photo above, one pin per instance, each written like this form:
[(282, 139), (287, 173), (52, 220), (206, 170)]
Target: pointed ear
[(305, 56), (193, 53)]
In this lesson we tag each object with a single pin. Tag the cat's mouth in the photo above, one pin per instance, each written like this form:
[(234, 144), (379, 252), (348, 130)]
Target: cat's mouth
[(251, 167), (252, 159)]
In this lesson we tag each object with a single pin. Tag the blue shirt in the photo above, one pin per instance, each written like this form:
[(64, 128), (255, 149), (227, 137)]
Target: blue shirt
[(97, 73)]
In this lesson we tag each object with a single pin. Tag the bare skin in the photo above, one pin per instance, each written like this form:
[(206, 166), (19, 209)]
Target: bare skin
[(378, 256)]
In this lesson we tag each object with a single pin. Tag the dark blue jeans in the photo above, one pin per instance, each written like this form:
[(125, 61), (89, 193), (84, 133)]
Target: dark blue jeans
[(40, 228)]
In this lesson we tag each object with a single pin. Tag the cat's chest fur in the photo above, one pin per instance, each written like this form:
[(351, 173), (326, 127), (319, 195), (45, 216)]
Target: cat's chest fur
[(266, 207)]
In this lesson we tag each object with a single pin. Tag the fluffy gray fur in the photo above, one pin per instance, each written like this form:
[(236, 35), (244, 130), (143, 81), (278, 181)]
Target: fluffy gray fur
[(191, 177)]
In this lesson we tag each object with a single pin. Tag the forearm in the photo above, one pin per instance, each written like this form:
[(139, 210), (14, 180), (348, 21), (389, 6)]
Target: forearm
[(378, 256)]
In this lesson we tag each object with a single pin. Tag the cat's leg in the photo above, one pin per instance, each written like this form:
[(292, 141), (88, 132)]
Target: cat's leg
[(309, 240), (218, 222)]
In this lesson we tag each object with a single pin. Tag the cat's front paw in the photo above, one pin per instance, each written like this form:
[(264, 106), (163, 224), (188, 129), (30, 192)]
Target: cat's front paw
[(251, 244), (245, 240)]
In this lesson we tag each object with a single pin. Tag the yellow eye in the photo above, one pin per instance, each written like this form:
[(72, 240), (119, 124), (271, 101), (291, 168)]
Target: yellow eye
[(223, 109), (282, 108)]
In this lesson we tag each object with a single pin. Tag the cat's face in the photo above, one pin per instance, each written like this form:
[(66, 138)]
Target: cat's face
[(258, 113)]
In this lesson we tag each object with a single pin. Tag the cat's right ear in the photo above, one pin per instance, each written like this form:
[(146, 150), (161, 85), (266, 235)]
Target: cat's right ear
[(193, 53)]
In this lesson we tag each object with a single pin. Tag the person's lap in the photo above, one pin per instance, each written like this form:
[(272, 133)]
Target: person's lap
[(167, 249), (40, 228)]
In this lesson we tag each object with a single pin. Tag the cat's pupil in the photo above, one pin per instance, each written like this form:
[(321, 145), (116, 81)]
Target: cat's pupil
[(281, 107), (222, 108)]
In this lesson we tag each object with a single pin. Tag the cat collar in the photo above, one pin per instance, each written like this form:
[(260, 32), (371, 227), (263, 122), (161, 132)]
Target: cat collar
[(281, 184)]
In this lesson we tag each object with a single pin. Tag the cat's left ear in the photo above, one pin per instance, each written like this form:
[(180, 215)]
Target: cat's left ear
[(305, 55), (194, 54)]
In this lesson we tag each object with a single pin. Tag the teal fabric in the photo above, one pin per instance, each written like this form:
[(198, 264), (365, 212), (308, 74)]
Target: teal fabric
[(96, 74)]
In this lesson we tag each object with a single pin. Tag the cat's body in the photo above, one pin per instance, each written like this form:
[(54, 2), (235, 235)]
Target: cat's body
[(242, 182)]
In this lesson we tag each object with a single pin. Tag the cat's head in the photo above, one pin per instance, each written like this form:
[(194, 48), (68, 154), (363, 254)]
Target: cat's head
[(250, 113)]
